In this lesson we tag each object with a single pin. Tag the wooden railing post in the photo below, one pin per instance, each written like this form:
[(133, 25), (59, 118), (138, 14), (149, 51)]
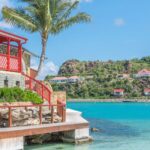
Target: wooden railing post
[(9, 117), (40, 114), (63, 113), (52, 114)]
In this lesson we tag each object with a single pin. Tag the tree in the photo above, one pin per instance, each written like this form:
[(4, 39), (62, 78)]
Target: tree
[(48, 17)]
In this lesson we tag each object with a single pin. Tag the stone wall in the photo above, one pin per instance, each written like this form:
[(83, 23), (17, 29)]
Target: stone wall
[(60, 95), (12, 79), (26, 116)]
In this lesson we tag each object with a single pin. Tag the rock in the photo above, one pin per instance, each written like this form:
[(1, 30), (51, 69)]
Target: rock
[(32, 121), (94, 130), (39, 139), (3, 112)]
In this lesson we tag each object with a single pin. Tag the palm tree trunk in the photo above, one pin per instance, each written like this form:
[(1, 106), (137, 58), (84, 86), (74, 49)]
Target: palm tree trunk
[(42, 57)]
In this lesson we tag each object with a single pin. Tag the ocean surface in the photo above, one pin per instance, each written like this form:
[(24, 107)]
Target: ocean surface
[(123, 126)]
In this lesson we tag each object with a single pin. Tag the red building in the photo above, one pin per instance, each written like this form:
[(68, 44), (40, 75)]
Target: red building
[(118, 92), (13, 72), (147, 92)]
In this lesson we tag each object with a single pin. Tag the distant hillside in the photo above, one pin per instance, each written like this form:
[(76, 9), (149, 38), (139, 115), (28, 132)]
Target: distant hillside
[(104, 78), (76, 67)]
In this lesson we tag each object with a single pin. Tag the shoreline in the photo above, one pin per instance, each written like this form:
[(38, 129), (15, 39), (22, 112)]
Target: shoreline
[(111, 100)]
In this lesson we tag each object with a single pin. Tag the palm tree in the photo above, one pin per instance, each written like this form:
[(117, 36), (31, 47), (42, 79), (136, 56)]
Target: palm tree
[(48, 17)]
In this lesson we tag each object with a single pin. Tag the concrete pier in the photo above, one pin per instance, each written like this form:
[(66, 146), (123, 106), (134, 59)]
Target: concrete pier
[(75, 130), (12, 143), (77, 136)]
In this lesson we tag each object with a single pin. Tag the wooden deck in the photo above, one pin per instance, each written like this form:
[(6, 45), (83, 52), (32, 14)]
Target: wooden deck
[(39, 129)]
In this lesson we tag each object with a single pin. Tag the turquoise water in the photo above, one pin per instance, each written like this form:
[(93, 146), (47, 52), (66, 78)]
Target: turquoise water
[(123, 126)]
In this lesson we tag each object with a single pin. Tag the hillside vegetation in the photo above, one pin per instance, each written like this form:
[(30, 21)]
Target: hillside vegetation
[(102, 77)]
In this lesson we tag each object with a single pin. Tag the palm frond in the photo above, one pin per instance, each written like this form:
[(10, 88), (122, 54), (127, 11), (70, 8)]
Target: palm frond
[(79, 18), (18, 18)]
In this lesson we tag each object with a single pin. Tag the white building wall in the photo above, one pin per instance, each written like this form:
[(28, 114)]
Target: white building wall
[(12, 78)]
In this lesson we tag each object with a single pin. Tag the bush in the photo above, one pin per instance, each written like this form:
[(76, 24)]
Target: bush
[(18, 95)]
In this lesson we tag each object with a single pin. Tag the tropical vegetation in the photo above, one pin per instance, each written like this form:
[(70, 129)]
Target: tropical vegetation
[(16, 94), (102, 77)]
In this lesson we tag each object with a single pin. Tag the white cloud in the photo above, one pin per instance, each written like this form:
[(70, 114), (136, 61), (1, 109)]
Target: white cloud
[(119, 22), (48, 68)]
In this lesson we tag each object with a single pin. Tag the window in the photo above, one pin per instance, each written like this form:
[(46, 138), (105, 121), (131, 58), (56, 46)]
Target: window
[(6, 82), (18, 83)]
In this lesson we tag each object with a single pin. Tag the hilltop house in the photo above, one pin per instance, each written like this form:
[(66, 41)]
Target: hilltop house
[(74, 79), (59, 80), (118, 92), (143, 73), (147, 92)]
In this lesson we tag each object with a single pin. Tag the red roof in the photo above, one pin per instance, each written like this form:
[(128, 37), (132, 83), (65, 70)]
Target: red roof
[(4, 35), (147, 90), (118, 90)]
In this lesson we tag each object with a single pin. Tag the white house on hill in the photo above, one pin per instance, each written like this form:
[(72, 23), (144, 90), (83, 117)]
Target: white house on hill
[(143, 73), (59, 80), (72, 79)]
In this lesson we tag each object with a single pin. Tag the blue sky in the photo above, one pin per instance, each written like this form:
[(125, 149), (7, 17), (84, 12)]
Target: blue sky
[(120, 29)]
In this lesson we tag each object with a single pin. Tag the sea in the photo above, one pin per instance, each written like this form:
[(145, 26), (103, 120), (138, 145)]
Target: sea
[(122, 126)]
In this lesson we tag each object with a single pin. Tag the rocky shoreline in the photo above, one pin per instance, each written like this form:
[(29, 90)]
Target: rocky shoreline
[(111, 100)]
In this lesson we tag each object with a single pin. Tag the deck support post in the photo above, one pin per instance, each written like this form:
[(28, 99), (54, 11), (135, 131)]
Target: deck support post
[(12, 143), (77, 136), (10, 117)]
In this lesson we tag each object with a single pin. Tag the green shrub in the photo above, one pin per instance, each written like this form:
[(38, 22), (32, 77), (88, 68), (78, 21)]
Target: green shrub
[(19, 95), (32, 97)]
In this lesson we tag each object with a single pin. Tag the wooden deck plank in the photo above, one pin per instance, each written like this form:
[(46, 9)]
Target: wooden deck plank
[(39, 129)]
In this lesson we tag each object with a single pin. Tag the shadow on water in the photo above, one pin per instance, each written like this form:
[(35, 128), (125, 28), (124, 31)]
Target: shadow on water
[(111, 128)]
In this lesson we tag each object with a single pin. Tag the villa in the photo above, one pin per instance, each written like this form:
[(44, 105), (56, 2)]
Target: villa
[(143, 73), (59, 80), (147, 92), (118, 92), (62, 80), (21, 118), (74, 79)]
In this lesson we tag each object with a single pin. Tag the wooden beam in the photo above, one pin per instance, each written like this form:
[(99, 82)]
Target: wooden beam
[(40, 129)]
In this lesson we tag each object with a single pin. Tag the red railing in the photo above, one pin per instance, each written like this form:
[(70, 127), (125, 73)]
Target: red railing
[(9, 61), (38, 87), (61, 114)]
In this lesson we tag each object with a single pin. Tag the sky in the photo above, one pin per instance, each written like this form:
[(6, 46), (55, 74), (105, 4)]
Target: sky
[(120, 29)]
